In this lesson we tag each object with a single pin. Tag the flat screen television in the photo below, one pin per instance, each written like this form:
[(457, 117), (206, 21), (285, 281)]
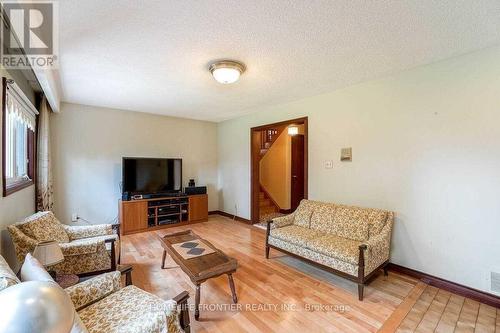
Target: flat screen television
[(151, 175)]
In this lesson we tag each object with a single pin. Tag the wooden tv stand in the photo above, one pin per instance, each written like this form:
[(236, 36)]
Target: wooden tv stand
[(165, 212)]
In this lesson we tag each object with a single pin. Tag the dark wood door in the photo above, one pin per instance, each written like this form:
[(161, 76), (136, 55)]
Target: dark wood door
[(297, 184)]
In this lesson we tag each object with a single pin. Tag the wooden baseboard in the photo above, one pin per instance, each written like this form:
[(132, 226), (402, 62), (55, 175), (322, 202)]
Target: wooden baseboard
[(237, 218), (453, 287)]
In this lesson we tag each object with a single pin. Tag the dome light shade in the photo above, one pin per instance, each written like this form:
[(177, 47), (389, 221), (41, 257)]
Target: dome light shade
[(227, 71)]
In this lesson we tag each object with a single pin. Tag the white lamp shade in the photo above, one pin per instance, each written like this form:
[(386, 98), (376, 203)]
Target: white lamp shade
[(48, 253), (36, 306)]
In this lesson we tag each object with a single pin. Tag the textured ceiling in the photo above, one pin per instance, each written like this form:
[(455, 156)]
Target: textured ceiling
[(152, 56)]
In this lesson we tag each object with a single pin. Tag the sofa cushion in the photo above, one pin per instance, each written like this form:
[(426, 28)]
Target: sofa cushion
[(44, 226), (295, 234), (350, 222), (322, 217), (131, 310), (7, 276), (302, 215), (337, 247)]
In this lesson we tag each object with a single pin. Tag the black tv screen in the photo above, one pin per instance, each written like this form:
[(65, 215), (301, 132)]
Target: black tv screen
[(152, 175)]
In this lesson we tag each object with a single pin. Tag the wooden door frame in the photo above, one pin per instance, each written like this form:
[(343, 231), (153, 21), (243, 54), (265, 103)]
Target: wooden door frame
[(254, 162)]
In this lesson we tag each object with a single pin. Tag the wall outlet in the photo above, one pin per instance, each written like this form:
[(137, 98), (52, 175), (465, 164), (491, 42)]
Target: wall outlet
[(74, 217), (328, 164)]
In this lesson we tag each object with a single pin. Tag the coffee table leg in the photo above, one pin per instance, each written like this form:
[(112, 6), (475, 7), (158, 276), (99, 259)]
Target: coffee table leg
[(231, 285), (197, 303), (163, 259)]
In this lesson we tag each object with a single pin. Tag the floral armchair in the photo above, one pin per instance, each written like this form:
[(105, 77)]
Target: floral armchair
[(84, 247), (103, 306)]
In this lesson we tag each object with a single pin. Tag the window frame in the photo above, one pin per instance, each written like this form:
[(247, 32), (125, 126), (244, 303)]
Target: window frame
[(31, 151)]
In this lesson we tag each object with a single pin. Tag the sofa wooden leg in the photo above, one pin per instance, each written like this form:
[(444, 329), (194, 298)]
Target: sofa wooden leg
[(386, 271), (267, 251), (361, 288)]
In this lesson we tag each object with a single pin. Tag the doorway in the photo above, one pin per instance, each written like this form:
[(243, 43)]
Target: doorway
[(279, 160)]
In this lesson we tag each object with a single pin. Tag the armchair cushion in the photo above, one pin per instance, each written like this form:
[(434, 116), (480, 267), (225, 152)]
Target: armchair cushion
[(131, 310), (86, 231), (44, 226), (85, 245), (92, 290), (82, 246), (7, 276), (337, 247), (294, 234)]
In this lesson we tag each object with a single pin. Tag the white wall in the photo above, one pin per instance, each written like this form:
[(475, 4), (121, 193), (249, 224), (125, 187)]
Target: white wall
[(426, 144), (20, 204), (88, 144)]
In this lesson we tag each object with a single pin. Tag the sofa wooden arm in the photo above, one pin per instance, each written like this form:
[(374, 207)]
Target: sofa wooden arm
[(113, 253), (182, 304)]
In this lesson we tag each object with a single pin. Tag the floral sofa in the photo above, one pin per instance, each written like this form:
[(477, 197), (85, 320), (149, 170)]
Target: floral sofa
[(84, 247), (103, 305), (352, 242)]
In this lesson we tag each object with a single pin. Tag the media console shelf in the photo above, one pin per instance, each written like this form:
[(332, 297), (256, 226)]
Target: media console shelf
[(150, 214)]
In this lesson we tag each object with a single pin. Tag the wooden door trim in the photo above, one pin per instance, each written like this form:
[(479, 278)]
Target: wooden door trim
[(254, 170)]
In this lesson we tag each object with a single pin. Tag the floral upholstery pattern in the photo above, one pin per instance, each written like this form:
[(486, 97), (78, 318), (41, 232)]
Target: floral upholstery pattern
[(315, 256), (22, 243), (86, 231), (82, 254), (91, 262), (302, 215), (334, 234), (376, 219), (131, 310), (92, 290), (336, 247), (282, 221), (294, 234), (379, 246), (7, 276), (44, 226), (350, 222)]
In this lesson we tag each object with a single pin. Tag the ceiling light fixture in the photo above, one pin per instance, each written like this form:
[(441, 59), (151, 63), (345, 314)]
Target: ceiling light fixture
[(227, 71), (293, 130)]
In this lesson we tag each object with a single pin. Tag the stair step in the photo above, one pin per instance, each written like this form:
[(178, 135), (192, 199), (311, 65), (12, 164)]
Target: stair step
[(267, 210)]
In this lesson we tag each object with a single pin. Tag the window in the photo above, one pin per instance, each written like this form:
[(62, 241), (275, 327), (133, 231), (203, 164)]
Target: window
[(19, 122)]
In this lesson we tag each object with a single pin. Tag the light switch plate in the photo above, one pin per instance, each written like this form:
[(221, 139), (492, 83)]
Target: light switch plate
[(328, 164)]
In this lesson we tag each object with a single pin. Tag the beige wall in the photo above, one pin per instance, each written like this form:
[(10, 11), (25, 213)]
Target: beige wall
[(88, 144), (426, 144), (22, 203), (275, 168)]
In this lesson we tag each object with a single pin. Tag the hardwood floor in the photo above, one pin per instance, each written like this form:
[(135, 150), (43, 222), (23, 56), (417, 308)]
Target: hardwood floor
[(276, 296)]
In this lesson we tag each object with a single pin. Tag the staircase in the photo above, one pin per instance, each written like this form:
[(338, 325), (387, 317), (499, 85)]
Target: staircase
[(268, 136), (266, 205)]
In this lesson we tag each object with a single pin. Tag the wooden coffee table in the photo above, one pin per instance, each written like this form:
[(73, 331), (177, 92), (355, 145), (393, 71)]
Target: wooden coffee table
[(201, 268)]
